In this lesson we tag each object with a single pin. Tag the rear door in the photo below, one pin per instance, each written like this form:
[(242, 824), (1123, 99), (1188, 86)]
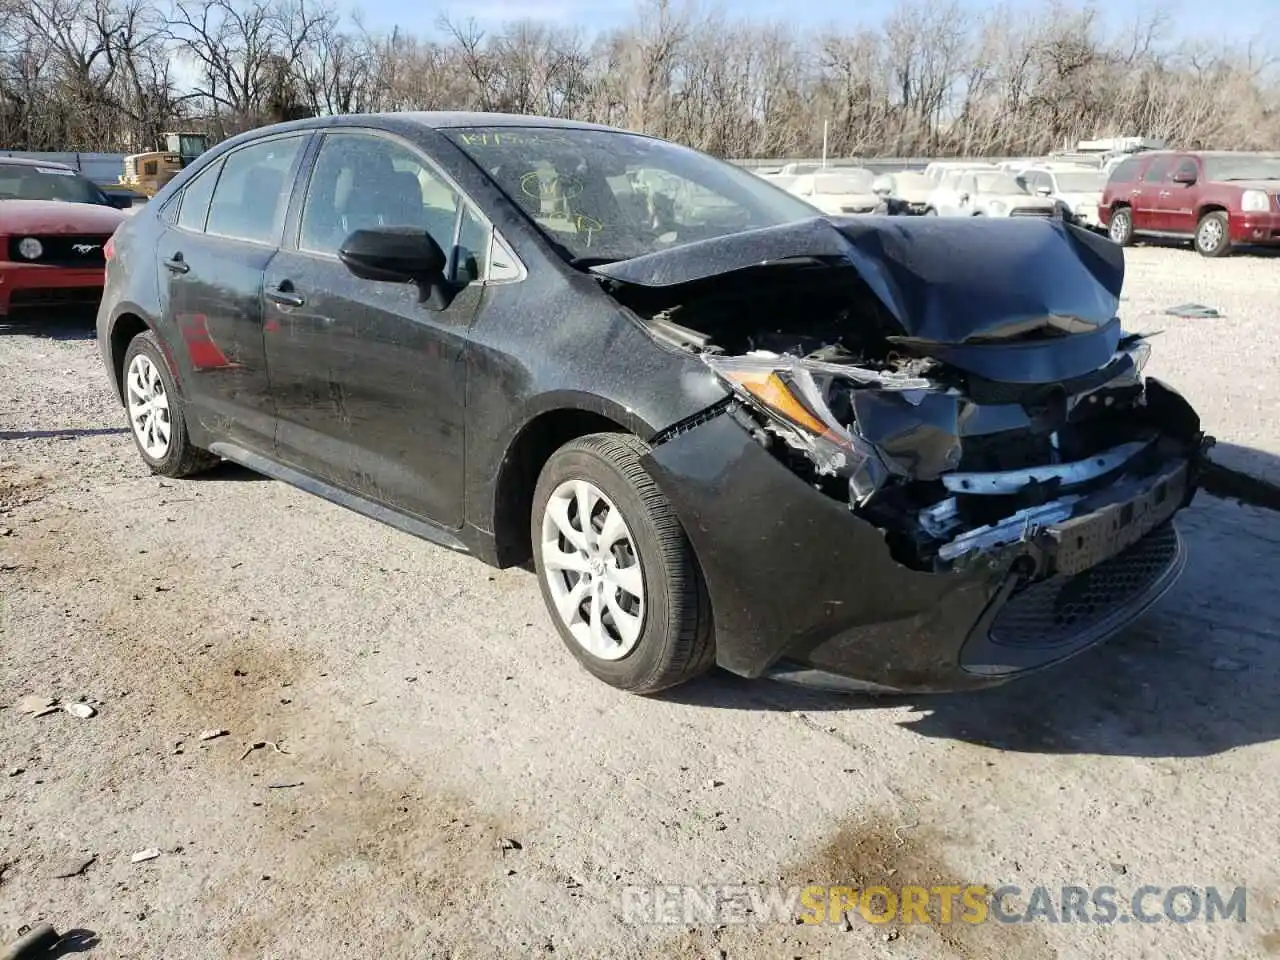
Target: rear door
[(1146, 195), (212, 258), (369, 382)]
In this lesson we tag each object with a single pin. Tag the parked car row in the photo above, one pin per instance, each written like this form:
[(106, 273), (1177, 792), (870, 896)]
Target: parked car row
[(1215, 200)]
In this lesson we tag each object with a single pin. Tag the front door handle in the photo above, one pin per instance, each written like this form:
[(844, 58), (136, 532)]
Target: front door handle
[(1165, 193), (285, 295), (177, 264)]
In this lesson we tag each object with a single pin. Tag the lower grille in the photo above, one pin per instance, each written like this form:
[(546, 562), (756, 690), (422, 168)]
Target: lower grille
[(63, 250), (1061, 609), (1030, 212), (55, 297)]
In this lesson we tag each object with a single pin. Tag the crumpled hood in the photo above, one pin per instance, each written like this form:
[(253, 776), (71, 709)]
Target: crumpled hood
[(943, 280), (50, 217)]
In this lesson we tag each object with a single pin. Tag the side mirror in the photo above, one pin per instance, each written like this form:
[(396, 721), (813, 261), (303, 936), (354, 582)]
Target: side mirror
[(1184, 176), (964, 198), (121, 201), (399, 255)]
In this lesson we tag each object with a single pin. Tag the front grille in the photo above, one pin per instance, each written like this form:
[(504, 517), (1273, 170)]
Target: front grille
[(1063, 608), (55, 297), (1030, 212), (63, 250)]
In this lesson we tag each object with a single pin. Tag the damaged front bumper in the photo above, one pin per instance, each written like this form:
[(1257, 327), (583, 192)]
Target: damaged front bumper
[(803, 588)]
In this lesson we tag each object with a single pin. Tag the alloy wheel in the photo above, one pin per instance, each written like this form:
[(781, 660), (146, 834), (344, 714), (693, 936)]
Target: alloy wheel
[(592, 569), (148, 407), (1210, 235), (1119, 227)]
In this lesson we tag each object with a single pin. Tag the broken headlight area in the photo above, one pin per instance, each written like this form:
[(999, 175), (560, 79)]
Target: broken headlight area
[(949, 479)]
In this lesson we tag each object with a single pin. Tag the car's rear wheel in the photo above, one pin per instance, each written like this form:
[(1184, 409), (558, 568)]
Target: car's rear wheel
[(1120, 229), (616, 570), (1213, 238), (156, 417)]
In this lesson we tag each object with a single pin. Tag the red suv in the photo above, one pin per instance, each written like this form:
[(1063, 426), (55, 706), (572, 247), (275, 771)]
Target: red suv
[(1215, 200)]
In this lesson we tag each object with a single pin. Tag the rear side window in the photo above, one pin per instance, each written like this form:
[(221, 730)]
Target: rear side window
[(1126, 172), (250, 198), (196, 197)]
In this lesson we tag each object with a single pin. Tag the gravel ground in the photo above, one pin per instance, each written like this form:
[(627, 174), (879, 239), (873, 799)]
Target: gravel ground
[(426, 715)]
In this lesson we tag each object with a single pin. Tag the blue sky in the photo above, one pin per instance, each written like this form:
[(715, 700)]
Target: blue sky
[(1213, 21)]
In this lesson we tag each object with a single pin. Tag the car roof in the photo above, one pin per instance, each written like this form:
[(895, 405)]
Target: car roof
[(28, 162)]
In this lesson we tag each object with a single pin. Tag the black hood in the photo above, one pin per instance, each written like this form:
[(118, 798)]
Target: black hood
[(952, 286)]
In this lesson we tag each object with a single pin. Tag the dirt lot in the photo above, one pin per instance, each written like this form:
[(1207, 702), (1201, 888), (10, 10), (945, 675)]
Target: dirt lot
[(425, 713)]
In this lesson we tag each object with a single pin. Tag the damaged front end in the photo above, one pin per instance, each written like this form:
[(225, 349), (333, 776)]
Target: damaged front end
[(963, 388)]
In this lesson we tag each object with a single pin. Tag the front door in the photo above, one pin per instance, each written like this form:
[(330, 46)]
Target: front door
[(1176, 201), (369, 381), (1146, 197), (212, 260)]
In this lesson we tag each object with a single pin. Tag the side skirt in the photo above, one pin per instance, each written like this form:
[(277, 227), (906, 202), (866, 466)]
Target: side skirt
[(377, 511)]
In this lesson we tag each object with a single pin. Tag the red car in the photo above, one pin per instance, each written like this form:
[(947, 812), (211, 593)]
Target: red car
[(54, 224), (1215, 200)]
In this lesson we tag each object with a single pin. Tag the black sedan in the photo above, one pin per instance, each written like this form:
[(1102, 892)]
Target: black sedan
[(878, 453)]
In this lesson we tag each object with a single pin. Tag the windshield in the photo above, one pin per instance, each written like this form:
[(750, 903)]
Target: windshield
[(999, 183), (1087, 182), (601, 195), (846, 181), (1242, 167), (19, 181)]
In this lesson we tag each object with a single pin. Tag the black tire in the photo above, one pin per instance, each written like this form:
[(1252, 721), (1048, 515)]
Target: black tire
[(182, 458), (676, 641), (930, 212), (1120, 229), (1216, 224)]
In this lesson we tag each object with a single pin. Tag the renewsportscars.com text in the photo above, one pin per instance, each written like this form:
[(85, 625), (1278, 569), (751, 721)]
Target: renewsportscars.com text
[(941, 904)]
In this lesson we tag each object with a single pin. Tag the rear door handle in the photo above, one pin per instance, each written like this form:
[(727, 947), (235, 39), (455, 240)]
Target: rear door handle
[(177, 264), (285, 295)]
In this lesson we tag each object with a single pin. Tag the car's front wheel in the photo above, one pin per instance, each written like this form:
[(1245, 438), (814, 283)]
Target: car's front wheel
[(155, 411), (1120, 230), (616, 570), (1213, 239)]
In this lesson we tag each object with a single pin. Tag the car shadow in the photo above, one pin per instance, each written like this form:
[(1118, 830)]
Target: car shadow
[(68, 434), (59, 325), (1195, 677), (226, 470), (1238, 250)]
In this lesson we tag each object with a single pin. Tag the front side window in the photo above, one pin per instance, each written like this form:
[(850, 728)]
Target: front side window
[(473, 248), (360, 182), (601, 196), (1158, 170), (251, 194), (1187, 168), (196, 196)]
